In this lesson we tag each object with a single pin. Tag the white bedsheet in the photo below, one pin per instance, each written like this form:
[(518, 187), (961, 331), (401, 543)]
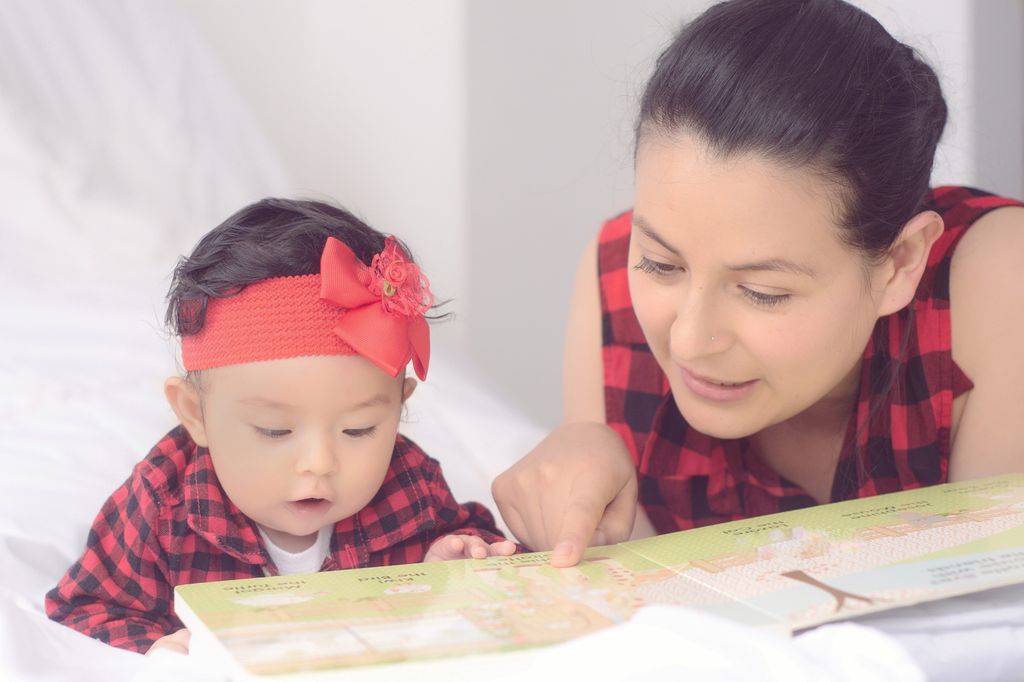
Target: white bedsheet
[(120, 143)]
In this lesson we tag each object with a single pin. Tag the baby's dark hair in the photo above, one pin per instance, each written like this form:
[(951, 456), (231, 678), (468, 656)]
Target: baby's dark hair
[(271, 238)]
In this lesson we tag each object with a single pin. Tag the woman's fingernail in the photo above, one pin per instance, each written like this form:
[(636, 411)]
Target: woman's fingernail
[(562, 550)]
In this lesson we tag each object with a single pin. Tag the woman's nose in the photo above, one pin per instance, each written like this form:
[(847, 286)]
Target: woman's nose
[(698, 328)]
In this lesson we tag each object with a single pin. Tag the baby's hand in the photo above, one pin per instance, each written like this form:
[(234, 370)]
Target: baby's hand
[(177, 642), (467, 547)]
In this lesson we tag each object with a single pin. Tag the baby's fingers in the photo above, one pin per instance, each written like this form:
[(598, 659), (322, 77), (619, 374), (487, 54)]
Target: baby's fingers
[(502, 548), (447, 548), (467, 547), (476, 548), (177, 642)]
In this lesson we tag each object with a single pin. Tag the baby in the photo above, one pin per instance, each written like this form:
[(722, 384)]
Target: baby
[(297, 322)]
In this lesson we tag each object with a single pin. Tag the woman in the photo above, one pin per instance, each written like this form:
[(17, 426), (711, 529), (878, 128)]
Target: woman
[(789, 315)]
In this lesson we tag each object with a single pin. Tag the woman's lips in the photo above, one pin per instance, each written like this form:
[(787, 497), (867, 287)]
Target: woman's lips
[(712, 389)]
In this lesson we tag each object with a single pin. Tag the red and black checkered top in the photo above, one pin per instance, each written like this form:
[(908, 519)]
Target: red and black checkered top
[(688, 479), (170, 524)]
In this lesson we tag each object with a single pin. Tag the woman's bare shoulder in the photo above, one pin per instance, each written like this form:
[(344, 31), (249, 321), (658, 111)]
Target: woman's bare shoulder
[(987, 313)]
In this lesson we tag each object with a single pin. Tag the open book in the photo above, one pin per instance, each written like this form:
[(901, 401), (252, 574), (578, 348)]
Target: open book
[(783, 571)]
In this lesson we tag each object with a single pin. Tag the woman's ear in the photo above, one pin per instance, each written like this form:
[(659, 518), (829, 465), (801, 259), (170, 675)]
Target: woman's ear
[(184, 399), (907, 260), (408, 387)]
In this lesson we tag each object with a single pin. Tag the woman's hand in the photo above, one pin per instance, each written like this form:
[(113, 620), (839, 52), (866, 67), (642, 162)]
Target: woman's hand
[(576, 488), (177, 642), (452, 547)]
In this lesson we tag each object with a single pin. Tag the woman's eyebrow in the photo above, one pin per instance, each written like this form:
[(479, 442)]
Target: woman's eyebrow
[(775, 265), (768, 264), (642, 225)]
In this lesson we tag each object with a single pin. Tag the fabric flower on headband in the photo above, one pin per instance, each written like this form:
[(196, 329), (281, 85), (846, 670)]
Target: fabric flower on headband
[(385, 302), (403, 288)]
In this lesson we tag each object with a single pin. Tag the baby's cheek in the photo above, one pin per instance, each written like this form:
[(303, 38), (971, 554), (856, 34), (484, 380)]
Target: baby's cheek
[(361, 478)]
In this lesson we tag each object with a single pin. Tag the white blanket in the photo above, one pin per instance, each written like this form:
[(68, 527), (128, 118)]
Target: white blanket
[(120, 143)]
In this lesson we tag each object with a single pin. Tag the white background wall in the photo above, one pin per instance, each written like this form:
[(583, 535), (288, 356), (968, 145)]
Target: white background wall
[(366, 102), (495, 137)]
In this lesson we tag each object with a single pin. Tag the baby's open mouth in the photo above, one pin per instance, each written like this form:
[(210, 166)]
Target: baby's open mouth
[(310, 505)]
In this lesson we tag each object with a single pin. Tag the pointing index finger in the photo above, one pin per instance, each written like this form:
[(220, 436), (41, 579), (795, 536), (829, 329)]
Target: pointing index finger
[(591, 497), (580, 519)]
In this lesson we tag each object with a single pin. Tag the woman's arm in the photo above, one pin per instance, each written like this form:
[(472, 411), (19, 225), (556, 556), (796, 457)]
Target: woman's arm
[(578, 486), (582, 367), (583, 372), (987, 312)]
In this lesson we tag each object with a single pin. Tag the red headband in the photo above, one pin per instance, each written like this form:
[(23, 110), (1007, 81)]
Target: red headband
[(348, 309)]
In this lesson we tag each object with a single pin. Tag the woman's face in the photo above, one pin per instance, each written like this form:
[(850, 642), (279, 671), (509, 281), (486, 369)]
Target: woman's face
[(751, 304)]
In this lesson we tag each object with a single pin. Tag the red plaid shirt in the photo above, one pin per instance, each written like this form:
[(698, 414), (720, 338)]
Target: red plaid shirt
[(171, 524), (688, 479)]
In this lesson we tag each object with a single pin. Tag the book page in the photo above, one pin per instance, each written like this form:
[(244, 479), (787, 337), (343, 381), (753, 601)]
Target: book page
[(834, 561), (782, 572)]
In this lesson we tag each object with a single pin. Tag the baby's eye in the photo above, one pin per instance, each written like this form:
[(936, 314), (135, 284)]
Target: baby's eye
[(656, 268), (360, 433), (272, 433)]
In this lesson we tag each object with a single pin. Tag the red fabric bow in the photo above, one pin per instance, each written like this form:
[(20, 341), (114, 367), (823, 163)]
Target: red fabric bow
[(385, 305)]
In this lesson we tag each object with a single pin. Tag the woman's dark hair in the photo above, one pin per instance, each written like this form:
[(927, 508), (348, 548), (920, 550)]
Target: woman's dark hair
[(808, 83), (271, 238)]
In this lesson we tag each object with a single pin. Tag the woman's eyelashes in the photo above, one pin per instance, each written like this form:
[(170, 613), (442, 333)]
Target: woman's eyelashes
[(763, 299), (663, 270), (656, 268)]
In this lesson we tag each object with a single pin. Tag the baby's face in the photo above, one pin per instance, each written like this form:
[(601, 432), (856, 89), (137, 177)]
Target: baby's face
[(301, 443)]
